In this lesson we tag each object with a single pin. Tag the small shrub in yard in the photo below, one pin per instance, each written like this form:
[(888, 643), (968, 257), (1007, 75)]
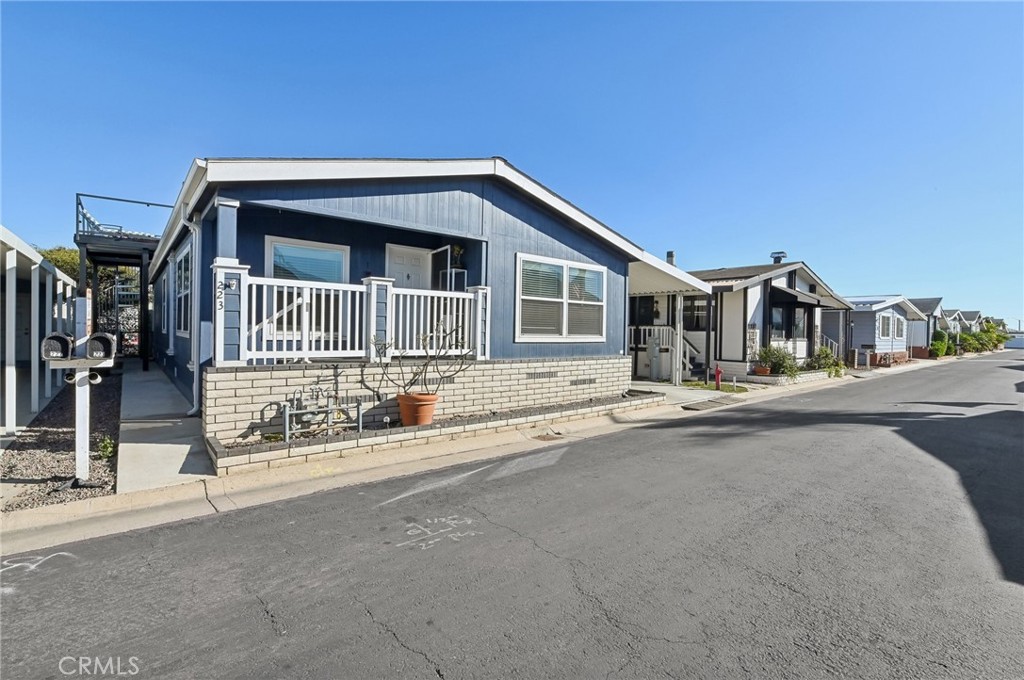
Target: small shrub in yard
[(106, 449), (939, 341), (970, 343), (778, 361), (825, 360)]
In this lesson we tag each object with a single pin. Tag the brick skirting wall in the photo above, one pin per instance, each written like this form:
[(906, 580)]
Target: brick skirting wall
[(920, 352), (242, 459), (243, 403), (897, 358)]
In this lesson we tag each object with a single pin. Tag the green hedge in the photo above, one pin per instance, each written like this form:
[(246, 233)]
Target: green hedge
[(940, 339)]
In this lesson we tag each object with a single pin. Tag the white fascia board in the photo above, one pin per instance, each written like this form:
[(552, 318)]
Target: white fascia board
[(913, 313), (297, 170), (193, 187), (228, 170), (674, 272)]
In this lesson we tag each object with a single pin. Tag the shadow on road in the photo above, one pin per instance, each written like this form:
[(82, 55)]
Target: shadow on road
[(985, 450)]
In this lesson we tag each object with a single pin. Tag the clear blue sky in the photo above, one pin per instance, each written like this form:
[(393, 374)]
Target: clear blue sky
[(881, 143)]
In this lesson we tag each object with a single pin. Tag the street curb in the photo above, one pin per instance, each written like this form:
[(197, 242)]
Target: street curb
[(48, 526)]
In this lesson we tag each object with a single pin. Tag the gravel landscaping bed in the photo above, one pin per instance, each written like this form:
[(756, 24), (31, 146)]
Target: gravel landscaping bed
[(348, 431), (43, 455)]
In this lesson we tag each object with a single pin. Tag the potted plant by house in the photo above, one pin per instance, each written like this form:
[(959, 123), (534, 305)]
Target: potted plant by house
[(419, 379), (777, 360)]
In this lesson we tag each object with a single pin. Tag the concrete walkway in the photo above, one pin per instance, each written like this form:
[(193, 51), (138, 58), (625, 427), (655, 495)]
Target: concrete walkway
[(159, 445)]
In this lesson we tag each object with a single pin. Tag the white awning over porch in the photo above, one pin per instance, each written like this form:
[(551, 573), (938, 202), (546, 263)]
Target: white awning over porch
[(651, 276)]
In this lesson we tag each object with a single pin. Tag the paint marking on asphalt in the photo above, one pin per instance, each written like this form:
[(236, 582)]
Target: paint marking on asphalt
[(29, 563), (527, 463), (437, 530), (440, 484)]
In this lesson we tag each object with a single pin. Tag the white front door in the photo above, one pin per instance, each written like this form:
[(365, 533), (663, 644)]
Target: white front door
[(409, 267)]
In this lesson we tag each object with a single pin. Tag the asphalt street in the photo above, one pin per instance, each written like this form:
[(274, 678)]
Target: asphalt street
[(871, 530)]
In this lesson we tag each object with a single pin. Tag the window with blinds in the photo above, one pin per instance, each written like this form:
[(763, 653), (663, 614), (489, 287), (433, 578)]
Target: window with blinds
[(559, 300), (306, 261), (885, 326)]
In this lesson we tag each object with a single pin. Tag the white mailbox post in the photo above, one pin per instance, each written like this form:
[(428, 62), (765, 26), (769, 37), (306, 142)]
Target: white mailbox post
[(80, 354)]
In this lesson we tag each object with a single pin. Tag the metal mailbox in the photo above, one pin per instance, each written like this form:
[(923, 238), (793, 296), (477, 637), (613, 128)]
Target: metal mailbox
[(57, 346), (100, 346)]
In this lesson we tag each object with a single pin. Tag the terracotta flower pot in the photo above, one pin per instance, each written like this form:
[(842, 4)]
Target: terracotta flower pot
[(417, 408), (762, 370)]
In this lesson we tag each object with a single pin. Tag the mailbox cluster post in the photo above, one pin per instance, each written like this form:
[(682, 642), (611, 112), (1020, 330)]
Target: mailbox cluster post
[(80, 354)]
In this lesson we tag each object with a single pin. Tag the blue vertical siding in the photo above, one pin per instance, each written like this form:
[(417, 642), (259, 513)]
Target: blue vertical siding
[(177, 365), (514, 225), (508, 222), (484, 216)]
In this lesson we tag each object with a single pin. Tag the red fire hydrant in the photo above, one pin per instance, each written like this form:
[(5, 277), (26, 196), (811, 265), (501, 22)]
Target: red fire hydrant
[(718, 377)]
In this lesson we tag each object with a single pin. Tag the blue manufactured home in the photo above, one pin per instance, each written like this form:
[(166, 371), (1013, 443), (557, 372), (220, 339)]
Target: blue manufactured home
[(879, 327), (276, 261)]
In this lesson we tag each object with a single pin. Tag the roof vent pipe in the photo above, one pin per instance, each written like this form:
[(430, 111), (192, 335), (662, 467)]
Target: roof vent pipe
[(670, 257), (778, 256)]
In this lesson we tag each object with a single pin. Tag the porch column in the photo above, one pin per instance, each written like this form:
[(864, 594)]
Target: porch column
[(10, 374), (230, 312), (680, 359), (710, 322), (379, 325), (227, 228), (481, 320), (47, 329), (34, 340)]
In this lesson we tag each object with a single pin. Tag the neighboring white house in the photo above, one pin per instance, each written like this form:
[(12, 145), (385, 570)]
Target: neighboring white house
[(778, 304), (36, 299), (952, 322), (972, 319)]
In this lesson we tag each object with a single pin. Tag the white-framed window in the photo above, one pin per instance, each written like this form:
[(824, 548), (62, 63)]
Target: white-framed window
[(297, 260), (901, 331), (559, 300), (183, 291), (885, 326), (164, 292)]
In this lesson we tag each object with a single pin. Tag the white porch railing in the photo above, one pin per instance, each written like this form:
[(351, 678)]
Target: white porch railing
[(682, 359), (266, 320), (796, 347), (641, 336), (825, 341), (298, 319), (432, 322)]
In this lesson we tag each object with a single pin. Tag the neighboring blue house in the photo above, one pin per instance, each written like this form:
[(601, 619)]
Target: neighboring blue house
[(879, 327), (276, 261)]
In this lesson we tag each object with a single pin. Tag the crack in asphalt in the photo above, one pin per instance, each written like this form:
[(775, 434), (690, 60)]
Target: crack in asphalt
[(269, 616), (401, 643), (634, 638)]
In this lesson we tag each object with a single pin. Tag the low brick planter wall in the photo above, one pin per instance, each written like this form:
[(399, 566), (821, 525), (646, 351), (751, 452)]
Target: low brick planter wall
[(802, 377), (920, 352), (244, 403), (239, 459)]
